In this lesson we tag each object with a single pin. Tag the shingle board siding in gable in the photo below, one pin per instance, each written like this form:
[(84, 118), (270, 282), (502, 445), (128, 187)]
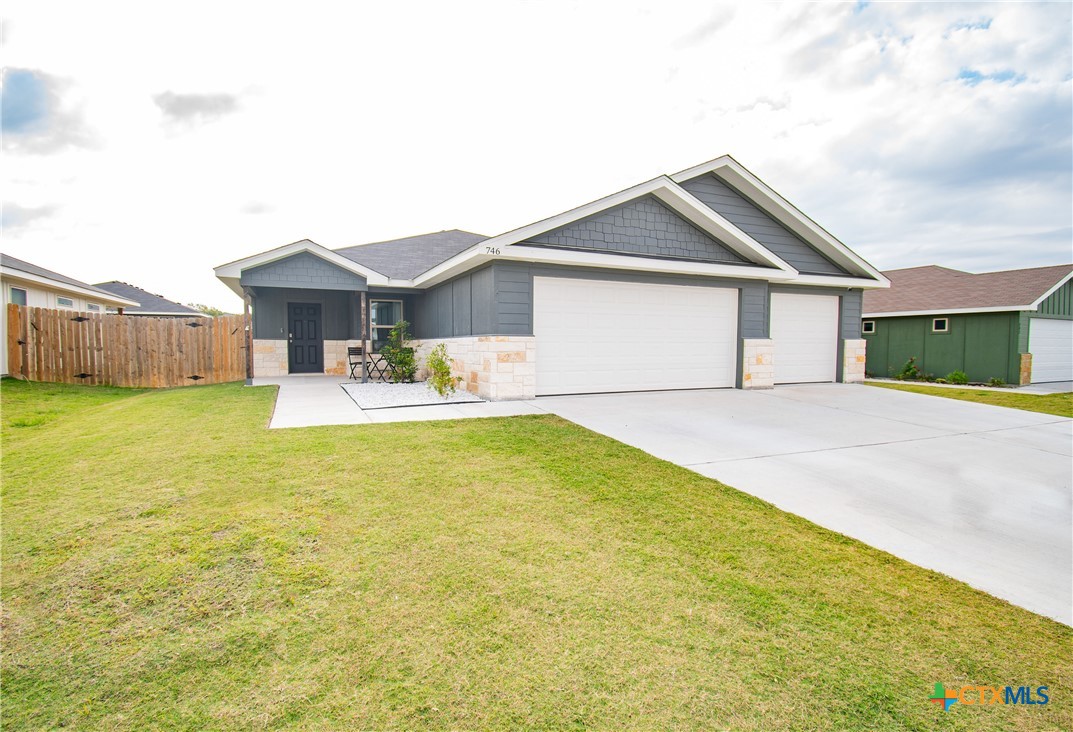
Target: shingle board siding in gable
[(303, 271), (643, 227), (741, 212)]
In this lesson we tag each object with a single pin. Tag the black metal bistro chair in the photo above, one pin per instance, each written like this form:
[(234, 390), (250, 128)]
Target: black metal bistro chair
[(356, 358)]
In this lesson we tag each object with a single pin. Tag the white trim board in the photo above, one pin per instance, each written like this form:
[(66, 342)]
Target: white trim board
[(94, 295), (950, 311)]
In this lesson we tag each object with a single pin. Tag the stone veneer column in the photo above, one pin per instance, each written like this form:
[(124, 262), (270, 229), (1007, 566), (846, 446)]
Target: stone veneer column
[(854, 357), (492, 367), (1025, 371), (269, 358), (757, 363)]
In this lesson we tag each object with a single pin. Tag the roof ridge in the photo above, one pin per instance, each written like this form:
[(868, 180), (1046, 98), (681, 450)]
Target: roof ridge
[(413, 236)]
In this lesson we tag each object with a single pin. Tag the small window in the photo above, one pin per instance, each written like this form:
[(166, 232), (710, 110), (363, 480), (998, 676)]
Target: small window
[(93, 307), (383, 314), (940, 325), (111, 309), (868, 326), (18, 296), (65, 302)]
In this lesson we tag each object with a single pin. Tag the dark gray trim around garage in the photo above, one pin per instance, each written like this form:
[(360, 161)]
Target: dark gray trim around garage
[(750, 218), (304, 271)]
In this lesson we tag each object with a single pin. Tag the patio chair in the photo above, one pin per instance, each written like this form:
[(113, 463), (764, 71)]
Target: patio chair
[(355, 357)]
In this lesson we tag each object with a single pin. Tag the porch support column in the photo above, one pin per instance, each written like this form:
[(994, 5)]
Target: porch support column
[(248, 327), (364, 335)]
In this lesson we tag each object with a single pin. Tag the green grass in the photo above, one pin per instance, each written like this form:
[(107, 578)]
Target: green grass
[(1058, 404), (169, 563)]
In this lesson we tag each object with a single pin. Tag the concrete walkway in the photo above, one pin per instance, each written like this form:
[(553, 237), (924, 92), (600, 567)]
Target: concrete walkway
[(318, 399), (980, 493)]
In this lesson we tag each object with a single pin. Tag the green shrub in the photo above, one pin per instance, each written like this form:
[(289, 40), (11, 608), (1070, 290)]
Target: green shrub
[(957, 377), (909, 372), (439, 371), (995, 381), (398, 355)]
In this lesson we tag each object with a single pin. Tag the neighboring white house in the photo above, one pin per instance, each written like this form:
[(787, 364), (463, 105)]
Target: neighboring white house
[(27, 284)]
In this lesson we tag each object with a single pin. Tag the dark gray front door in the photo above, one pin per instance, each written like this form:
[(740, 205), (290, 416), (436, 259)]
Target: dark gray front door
[(305, 354)]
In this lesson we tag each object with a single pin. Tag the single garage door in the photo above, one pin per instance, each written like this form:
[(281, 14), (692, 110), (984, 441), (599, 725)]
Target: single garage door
[(596, 336), (805, 331), (1051, 344)]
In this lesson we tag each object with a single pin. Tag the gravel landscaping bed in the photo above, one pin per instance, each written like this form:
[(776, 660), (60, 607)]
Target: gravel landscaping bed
[(383, 396)]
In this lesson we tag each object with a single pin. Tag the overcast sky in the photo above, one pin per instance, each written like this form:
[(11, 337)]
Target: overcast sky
[(150, 142)]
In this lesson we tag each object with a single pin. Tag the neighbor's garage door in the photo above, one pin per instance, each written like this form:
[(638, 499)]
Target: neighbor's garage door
[(1051, 344), (595, 336), (805, 331)]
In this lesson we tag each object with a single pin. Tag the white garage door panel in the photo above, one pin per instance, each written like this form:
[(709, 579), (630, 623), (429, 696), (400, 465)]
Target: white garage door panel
[(805, 331), (1051, 344), (595, 336)]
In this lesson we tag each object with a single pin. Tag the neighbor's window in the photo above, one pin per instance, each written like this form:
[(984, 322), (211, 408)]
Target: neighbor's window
[(65, 302), (18, 296), (383, 314), (93, 307), (868, 326), (940, 325)]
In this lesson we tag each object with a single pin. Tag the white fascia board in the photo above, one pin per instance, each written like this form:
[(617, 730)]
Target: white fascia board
[(950, 311), (858, 283), (1051, 291), (783, 211), (95, 295), (234, 269), (577, 258), (677, 198)]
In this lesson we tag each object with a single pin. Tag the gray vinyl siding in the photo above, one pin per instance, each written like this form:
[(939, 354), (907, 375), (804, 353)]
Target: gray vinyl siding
[(459, 307), (849, 307), (338, 312), (644, 227), (754, 310), (748, 217), (302, 271)]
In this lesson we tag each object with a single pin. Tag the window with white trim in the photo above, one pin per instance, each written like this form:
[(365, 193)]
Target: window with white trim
[(93, 307), (868, 327), (383, 314), (64, 302), (940, 325), (18, 296)]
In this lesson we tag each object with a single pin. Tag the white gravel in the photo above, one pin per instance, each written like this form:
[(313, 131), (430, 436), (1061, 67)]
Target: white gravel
[(383, 396)]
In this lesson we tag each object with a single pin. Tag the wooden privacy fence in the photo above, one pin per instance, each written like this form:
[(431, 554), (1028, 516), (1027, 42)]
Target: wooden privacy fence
[(123, 350)]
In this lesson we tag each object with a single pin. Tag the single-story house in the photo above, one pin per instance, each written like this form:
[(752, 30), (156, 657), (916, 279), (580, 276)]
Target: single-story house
[(1015, 326), (702, 279), (23, 283), (149, 304)]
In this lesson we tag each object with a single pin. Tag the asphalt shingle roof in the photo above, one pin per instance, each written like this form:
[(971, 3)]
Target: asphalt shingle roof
[(147, 301), (32, 269), (408, 257), (930, 288)]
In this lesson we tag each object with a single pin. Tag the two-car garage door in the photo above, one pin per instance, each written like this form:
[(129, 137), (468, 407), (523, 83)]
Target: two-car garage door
[(602, 336)]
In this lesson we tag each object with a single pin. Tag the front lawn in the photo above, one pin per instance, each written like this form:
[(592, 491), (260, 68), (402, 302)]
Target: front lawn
[(1058, 404), (170, 563)]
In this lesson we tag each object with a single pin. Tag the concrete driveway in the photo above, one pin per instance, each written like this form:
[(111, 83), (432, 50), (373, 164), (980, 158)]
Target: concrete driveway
[(983, 494)]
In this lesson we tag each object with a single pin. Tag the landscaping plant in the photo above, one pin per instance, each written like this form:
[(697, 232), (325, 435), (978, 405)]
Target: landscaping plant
[(439, 371), (909, 372), (957, 377), (398, 355)]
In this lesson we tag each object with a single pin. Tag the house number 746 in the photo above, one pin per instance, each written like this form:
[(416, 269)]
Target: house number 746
[(491, 250)]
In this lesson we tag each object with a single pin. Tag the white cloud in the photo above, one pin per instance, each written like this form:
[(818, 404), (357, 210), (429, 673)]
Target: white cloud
[(362, 123)]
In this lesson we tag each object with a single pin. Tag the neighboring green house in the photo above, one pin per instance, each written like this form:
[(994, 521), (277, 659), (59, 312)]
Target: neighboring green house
[(1016, 326)]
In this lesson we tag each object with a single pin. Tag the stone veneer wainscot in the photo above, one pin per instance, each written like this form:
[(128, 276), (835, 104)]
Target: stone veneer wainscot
[(492, 367)]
